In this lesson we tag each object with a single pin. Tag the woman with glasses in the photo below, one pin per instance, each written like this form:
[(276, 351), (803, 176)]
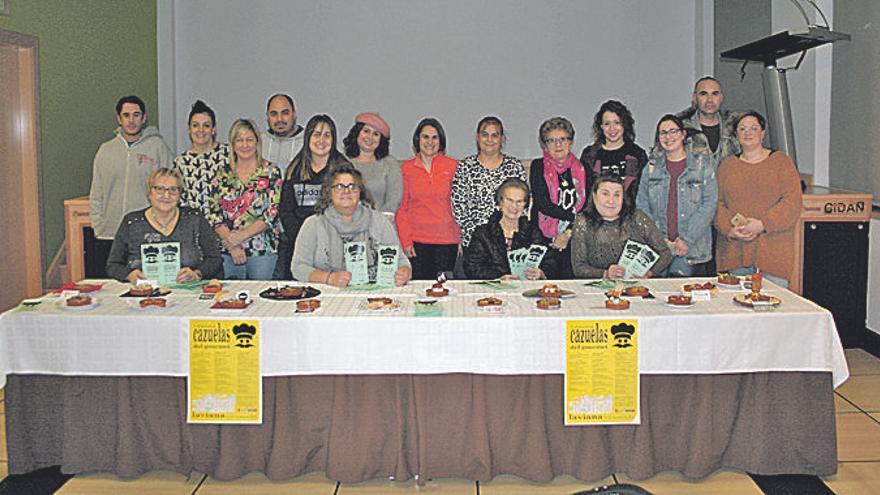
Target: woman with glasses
[(245, 205), (200, 164), (165, 221), (559, 187), (759, 203), (302, 185), (614, 150), (344, 219), (507, 230), (679, 192), (367, 146), (427, 230)]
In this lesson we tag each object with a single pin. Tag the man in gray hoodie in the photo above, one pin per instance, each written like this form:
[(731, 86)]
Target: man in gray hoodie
[(119, 174), (284, 138)]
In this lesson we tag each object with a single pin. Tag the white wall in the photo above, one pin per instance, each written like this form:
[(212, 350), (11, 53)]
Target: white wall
[(457, 60), (873, 295)]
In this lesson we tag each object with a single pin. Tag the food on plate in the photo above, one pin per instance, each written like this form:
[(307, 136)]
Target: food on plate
[(85, 287), (758, 297), (142, 290), (307, 305), (728, 279), (153, 301), (636, 291), (437, 290), (78, 300), (707, 286), (292, 291), (380, 304), (379, 300), (679, 300), (230, 304), (488, 302), (212, 287), (612, 303), (549, 303), (550, 290)]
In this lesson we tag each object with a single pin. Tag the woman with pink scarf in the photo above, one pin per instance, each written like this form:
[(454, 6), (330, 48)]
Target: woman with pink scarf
[(559, 187)]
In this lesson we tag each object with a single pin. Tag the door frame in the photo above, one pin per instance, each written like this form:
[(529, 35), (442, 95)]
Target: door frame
[(29, 143)]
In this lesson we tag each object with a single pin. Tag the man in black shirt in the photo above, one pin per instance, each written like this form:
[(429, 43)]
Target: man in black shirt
[(711, 127)]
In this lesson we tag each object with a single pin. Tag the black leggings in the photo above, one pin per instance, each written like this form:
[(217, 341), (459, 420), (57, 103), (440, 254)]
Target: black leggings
[(432, 259)]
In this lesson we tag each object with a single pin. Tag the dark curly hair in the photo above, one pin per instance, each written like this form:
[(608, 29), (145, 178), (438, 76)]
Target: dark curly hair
[(326, 198), (350, 142), (626, 119)]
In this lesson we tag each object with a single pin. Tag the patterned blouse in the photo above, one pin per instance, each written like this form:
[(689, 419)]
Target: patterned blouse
[(198, 171), (237, 205), (473, 191)]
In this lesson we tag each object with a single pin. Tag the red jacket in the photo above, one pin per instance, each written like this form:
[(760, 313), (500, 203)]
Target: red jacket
[(425, 213)]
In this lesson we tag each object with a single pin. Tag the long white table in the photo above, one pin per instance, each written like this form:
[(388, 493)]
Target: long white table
[(424, 391)]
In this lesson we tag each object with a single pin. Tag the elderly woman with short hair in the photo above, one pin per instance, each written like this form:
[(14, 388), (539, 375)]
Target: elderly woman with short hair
[(165, 221), (559, 187), (344, 214)]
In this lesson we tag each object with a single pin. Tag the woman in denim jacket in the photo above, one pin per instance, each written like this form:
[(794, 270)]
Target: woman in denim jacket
[(678, 190)]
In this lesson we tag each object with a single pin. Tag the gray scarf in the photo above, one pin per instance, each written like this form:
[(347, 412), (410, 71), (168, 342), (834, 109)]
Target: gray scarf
[(358, 230)]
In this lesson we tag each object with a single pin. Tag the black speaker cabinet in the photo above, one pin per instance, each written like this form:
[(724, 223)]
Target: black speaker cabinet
[(835, 274)]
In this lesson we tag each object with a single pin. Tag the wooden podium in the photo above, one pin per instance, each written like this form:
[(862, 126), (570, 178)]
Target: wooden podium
[(76, 216)]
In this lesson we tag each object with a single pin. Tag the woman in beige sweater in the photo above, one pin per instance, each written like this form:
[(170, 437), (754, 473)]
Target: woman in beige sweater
[(759, 191)]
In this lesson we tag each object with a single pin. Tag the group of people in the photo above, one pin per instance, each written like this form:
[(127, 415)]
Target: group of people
[(284, 203)]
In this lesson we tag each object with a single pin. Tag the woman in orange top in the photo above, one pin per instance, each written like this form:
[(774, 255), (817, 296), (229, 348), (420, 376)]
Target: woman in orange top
[(763, 187), (425, 225)]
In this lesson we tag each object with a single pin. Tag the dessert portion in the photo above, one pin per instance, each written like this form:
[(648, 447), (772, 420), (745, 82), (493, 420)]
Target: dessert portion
[(230, 304), (487, 302), (686, 289), (212, 287), (550, 290), (679, 300), (380, 304), (614, 301), (141, 291), (78, 300), (307, 305), (728, 279), (758, 297), (437, 290), (153, 301), (291, 291), (636, 291), (549, 303)]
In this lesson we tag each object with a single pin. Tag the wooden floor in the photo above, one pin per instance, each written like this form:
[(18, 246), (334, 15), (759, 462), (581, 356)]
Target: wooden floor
[(858, 443)]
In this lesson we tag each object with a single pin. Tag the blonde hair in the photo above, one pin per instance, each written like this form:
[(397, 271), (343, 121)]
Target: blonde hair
[(239, 126), (164, 172)]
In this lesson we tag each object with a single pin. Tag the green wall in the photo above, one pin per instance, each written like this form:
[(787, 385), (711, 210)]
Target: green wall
[(91, 52)]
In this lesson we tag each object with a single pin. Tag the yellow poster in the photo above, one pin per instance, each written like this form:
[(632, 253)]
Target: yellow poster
[(602, 372), (224, 383)]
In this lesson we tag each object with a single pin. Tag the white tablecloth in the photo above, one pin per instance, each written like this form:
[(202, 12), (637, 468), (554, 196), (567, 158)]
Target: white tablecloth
[(711, 337)]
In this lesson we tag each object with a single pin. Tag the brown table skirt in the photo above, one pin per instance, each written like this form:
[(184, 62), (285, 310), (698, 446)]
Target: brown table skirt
[(356, 428)]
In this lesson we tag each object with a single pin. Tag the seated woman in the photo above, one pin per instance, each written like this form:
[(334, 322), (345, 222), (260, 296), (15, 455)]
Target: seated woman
[(344, 214), (615, 151), (601, 232), (164, 221), (507, 230), (559, 187), (367, 146), (427, 230), (763, 187), (679, 192), (244, 207)]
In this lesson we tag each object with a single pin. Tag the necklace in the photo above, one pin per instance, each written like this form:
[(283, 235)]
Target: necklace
[(163, 227)]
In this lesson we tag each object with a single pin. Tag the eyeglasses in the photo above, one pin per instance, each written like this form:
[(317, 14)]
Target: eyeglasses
[(346, 188), (555, 141), (173, 190), (669, 133)]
